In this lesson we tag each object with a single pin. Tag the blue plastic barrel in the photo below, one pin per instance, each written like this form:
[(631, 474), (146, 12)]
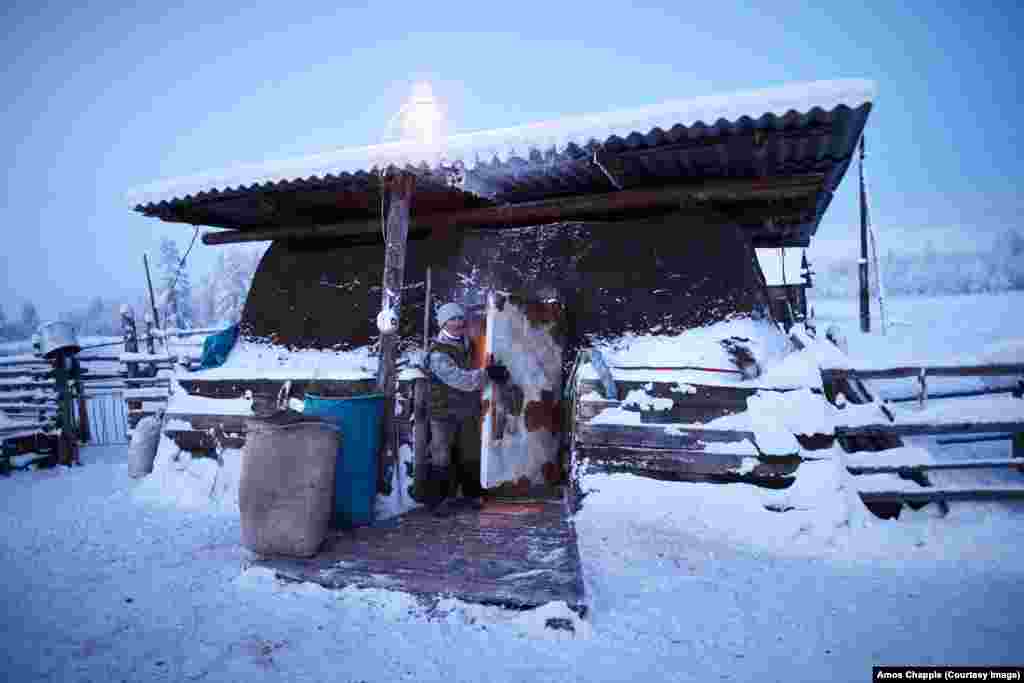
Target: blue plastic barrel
[(355, 479)]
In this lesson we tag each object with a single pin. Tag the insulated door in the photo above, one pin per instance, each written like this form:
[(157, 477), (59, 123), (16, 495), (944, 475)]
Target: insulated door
[(522, 419)]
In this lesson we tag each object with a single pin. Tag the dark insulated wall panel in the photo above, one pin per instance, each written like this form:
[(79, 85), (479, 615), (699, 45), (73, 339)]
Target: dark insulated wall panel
[(664, 274)]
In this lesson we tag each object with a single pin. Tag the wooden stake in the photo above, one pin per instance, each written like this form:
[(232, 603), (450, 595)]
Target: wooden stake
[(399, 190)]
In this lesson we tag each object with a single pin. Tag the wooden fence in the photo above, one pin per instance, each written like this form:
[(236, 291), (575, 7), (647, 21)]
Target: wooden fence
[(1006, 419), (117, 387)]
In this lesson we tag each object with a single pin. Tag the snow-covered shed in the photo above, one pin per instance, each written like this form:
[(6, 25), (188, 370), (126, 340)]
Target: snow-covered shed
[(632, 218), (637, 221)]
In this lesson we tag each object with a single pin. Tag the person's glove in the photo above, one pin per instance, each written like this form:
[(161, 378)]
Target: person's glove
[(497, 372)]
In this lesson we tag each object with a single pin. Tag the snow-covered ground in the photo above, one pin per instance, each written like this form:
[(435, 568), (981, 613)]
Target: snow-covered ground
[(105, 582)]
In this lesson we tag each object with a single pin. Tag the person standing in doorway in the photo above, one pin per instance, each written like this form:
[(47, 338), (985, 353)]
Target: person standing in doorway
[(455, 412)]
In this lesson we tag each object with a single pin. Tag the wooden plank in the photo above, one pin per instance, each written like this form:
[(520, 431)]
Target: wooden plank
[(974, 439), (33, 372), (897, 429), (896, 372), (924, 467), (927, 495), (624, 459), (233, 388), (28, 407), (590, 434), (952, 394), (519, 554)]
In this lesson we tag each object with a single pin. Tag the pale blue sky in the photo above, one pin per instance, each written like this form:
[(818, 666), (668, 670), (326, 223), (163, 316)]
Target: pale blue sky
[(103, 97)]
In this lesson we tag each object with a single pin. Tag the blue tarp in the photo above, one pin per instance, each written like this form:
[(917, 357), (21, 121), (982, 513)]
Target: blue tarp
[(217, 347)]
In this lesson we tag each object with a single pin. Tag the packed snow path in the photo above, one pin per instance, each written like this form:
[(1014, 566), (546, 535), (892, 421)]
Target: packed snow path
[(100, 587)]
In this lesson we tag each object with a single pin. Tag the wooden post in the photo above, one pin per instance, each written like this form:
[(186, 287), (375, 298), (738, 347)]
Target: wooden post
[(426, 314), (1018, 445), (399, 189), (67, 446), (922, 382), (84, 432), (421, 426), (131, 337), (865, 301), (152, 298)]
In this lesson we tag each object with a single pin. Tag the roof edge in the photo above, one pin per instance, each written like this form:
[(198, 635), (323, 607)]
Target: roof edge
[(470, 149)]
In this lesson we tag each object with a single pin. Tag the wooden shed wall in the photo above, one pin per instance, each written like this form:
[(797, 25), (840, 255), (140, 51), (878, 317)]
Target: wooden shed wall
[(613, 277)]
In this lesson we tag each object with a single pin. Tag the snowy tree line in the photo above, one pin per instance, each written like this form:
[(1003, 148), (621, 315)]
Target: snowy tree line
[(217, 299), (927, 271)]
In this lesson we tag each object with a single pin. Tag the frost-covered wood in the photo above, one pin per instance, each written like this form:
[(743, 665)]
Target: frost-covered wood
[(896, 372), (934, 495), (990, 463), (655, 437), (399, 195)]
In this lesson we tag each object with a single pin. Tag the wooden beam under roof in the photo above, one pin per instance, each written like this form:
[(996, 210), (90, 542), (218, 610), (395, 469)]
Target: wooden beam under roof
[(590, 207)]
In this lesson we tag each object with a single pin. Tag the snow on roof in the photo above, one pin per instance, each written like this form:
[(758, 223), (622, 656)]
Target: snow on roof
[(471, 149)]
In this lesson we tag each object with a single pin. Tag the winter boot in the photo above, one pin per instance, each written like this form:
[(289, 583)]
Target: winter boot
[(423, 486), (445, 502)]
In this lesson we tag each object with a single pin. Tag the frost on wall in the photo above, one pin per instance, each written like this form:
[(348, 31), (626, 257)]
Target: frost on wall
[(663, 274)]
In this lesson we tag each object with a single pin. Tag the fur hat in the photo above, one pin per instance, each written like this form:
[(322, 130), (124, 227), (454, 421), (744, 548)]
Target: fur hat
[(448, 311)]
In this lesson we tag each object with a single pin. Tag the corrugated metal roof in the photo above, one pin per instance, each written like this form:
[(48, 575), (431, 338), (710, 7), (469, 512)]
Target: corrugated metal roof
[(794, 130)]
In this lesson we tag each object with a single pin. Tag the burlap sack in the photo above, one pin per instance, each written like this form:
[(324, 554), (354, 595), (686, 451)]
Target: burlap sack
[(142, 450), (286, 487)]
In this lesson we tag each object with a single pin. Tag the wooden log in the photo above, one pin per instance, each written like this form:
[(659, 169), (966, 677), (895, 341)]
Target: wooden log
[(589, 434), (33, 373), (898, 429), (399, 190), (927, 495), (993, 463)]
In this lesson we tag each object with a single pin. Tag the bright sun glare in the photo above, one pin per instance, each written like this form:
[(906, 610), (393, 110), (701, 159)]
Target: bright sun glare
[(421, 117)]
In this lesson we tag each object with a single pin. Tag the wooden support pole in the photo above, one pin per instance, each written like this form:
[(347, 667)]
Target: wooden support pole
[(399, 189), (152, 297), (865, 300), (131, 338), (1018, 445), (84, 430)]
